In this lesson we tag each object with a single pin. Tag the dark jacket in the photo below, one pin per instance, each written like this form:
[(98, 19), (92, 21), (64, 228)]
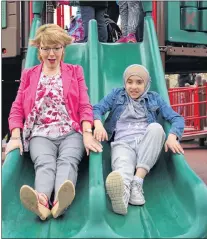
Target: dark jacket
[(96, 4)]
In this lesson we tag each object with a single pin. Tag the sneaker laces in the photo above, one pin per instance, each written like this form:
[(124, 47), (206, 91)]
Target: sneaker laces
[(137, 188)]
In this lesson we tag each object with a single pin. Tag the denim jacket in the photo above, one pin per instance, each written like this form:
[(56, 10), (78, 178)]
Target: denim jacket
[(116, 102)]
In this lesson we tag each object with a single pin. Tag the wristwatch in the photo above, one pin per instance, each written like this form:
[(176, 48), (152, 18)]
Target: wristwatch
[(87, 130)]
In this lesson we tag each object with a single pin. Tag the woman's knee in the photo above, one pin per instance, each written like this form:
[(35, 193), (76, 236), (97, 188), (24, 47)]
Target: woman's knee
[(41, 147)]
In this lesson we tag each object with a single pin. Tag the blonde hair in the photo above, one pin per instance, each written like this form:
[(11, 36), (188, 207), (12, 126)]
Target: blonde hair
[(50, 34)]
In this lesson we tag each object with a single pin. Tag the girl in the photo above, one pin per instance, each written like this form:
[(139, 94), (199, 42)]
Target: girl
[(136, 137)]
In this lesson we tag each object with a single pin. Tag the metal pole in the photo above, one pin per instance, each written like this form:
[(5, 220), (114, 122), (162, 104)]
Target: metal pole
[(63, 17), (154, 12), (161, 28), (59, 16), (50, 12), (44, 13), (25, 9), (30, 12), (70, 11)]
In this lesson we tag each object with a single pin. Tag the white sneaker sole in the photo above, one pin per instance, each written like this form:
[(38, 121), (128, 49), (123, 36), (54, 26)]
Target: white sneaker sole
[(115, 190), (65, 196), (136, 203)]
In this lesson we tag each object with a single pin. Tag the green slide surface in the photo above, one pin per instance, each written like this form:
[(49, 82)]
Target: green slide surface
[(176, 198)]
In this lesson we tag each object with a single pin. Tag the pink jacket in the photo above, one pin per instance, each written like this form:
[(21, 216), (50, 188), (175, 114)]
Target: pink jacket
[(74, 89)]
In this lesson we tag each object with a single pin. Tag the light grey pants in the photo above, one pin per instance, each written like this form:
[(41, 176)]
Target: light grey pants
[(128, 156), (56, 161), (129, 13)]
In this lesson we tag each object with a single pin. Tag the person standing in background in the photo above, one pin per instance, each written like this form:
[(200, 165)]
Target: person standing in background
[(94, 10), (198, 80), (113, 11), (129, 12)]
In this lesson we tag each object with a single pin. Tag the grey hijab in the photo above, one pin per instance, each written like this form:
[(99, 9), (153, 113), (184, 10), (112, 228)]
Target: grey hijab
[(134, 105)]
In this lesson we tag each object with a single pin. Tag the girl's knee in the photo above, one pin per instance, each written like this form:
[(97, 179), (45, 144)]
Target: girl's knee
[(156, 129)]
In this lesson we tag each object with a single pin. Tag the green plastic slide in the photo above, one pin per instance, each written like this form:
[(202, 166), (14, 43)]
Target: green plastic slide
[(176, 198)]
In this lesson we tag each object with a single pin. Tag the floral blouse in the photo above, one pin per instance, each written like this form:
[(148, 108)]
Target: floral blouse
[(49, 117)]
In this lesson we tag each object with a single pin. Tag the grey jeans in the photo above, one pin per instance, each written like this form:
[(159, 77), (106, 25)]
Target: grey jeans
[(56, 161), (127, 156), (129, 13), (88, 13)]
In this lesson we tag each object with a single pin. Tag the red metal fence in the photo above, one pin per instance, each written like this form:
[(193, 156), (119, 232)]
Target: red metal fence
[(191, 103)]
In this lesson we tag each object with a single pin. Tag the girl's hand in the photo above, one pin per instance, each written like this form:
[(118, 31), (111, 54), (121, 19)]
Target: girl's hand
[(173, 144), (14, 143), (91, 144), (100, 133)]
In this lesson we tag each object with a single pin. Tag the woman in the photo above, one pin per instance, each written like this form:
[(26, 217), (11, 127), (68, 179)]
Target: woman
[(52, 101)]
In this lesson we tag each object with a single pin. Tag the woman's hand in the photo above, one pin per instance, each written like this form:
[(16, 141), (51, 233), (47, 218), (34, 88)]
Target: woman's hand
[(15, 143), (173, 144), (100, 133), (91, 144)]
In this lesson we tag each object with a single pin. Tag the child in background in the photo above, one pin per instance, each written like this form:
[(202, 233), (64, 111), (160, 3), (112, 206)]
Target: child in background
[(129, 13), (76, 27), (136, 137)]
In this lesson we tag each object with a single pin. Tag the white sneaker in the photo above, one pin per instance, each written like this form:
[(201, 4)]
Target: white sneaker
[(136, 196), (118, 192)]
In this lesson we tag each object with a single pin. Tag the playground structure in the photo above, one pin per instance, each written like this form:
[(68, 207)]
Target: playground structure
[(191, 103), (180, 27), (181, 31), (175, 196)]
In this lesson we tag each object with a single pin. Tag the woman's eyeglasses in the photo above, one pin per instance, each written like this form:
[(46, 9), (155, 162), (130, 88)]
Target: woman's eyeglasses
[(47, 49)]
